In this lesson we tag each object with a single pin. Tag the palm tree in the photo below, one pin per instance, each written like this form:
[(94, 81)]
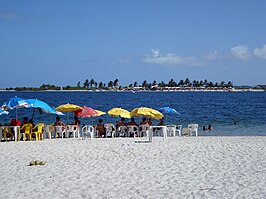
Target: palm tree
[(101, 85), (110, 84), (78, 85), (116, 83), (86, 84), (92, 82), (172, 83), (187, 82), (144, 84), (135, 84), (161, 84), (154, 83), (181, 83)]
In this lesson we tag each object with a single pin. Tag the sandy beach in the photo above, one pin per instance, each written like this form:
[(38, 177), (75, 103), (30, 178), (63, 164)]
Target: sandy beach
[(180, 167)]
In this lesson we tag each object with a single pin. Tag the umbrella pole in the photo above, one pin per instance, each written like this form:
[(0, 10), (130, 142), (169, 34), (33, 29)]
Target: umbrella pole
[(33, 114), (16, 114)]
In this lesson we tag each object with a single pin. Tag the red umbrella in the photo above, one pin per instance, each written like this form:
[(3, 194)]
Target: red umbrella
[(86, 112)]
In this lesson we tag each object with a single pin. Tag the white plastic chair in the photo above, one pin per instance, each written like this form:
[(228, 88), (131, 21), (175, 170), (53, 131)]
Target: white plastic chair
[(122, 131), (132, 130), (179, 129), (87, 131), (171, 130), (72, 129), (144, 130), (61, 130), (48, 131), (193, 128), (110, 130)]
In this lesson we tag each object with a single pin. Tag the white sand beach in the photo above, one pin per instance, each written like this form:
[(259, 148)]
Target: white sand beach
[(180, 167)]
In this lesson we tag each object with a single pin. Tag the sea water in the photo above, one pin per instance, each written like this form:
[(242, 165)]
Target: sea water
[(229, 113)]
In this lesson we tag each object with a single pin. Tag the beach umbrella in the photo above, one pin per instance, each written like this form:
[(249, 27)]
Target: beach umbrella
[(4, 112), (68, 108), (100, 113), (146, 112), (86, 112), (41, 106), (15, 103), (168, 111), (119, 112)]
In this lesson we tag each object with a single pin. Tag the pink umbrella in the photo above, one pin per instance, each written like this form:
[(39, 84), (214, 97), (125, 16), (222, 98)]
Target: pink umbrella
[(86, 112)]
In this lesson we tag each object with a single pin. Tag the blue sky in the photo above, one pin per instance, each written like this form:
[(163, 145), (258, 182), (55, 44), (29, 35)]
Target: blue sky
[(62, 42)]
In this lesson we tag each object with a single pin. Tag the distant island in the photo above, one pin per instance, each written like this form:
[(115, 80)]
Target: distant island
[(182, 85)]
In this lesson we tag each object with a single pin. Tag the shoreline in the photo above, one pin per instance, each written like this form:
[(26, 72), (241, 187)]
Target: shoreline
[(136, 91)]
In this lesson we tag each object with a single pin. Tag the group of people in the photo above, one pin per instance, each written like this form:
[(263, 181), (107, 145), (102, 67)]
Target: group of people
[(102, 131)]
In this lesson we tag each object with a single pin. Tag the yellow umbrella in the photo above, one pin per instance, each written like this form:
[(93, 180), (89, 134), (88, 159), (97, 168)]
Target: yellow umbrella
[(68, 108), (119, 112), (100, 112), (146, 112)]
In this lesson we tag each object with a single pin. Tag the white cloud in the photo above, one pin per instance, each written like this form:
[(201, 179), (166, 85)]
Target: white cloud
[(214, 55), (168, 59), (260, 52), (240, 52)]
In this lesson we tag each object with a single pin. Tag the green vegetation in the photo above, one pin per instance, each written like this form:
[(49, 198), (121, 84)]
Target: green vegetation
[(186, 84)]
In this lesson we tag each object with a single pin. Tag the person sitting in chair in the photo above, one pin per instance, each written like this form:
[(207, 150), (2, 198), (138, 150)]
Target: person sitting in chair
[(161, 123), (58, 122), (100, 128), (121, 123), (132, 122)]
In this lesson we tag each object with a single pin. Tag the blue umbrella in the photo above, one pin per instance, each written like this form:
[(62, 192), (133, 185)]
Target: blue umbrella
[(41, 106), (168, 111), (15, 103), (3, 112)]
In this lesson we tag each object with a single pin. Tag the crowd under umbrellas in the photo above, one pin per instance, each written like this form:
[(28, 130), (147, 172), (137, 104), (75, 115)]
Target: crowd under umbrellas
[(83, 111)]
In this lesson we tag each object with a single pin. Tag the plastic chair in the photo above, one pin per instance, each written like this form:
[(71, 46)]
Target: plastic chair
[(171, 130), (27, 131), (39, 133), (193, 128), (48, 131), (144, 130), (60, 131), (179, 129), (7, 132), (87, 131), (110, 130), (72, 129), (133, 130), (122, 131)]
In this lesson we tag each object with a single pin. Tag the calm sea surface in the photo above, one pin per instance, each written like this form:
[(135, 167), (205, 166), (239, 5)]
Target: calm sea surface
[(239, 113)]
